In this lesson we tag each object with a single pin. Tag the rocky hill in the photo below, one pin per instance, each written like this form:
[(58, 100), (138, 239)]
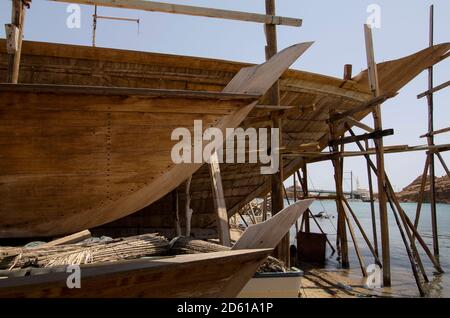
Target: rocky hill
[(411, 192)]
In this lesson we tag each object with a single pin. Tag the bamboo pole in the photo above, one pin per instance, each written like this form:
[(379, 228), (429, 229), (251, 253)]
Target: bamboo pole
[(384, 222)]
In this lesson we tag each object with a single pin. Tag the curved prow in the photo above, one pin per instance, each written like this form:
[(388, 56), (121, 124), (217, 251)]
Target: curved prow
[(269, 233), (260, 78)]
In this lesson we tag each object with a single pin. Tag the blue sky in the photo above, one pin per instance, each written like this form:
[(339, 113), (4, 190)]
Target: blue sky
[(335, 26)]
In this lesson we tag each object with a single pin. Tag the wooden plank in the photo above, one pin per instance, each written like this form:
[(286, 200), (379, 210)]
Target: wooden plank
[(434, 90), (363, 107), (374, 135), (273, 108), (223, 227), (215, 275), (436, 132), (122, 91), (374, 87), (353, 122), (17, 25), (268, 234), (258, 79), (191, 10), (70, 239)]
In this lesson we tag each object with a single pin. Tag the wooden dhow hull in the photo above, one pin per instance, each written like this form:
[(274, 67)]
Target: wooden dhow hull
[(210, 275), (76, 157), (311, 97)]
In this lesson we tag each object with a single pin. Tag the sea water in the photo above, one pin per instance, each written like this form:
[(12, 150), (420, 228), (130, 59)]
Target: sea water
[(401, 269)]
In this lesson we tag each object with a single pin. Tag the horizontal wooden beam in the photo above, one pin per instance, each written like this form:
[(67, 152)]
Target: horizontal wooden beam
[(363, 107), (437, 132), (353, 122), (373, 135), (434, 90), (119, 91), (273, 108), (191, 10), (312, 157)]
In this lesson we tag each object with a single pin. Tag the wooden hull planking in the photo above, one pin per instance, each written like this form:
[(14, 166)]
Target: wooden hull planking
[(211, 275)]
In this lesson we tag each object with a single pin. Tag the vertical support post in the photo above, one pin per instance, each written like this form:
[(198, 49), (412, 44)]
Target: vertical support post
[(295, 187), (15, 39), (341, 238), (264, 209), (189, 211), (94, 27), (305, 195), (351, 185), (297, 229), (223, 226), (177, 212), (379, 148), (430, 99), (282, 251), (348, 69)]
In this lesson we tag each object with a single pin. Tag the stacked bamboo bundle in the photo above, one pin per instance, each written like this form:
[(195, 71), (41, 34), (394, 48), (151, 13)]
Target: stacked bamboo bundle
[(88, 253)]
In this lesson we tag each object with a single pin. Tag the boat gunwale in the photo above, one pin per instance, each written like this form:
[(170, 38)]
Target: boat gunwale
[(59, 274), (123, 91)]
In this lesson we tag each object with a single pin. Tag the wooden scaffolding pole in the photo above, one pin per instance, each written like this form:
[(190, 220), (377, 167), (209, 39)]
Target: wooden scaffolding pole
[(341, 238), (223, 227), (305, 195), (188, 210), (399, 214), (390, 190), (430, 139), (14, 35), (384, 223), (282, 251), (372, 206), (154, 6)]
